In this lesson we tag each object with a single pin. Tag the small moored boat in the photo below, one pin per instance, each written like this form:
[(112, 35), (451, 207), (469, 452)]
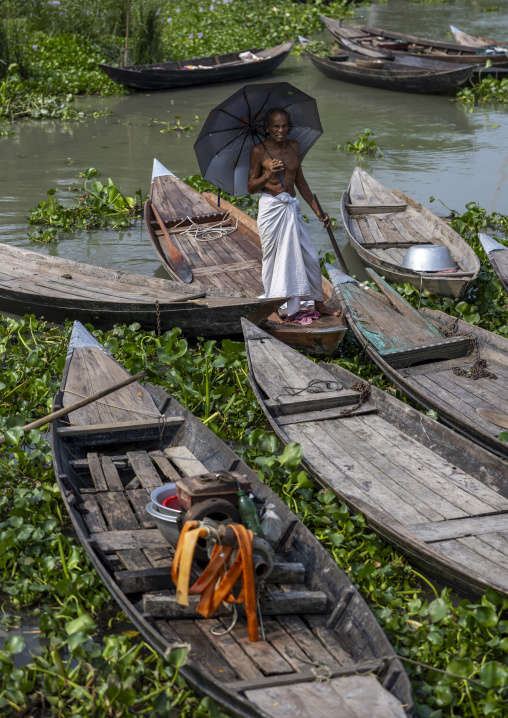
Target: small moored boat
[(397, 73), (219, 246), (320, 636), (367, 39), (59, 289), (200, 71), (498, 257), (386, 228), (463, 38), (432, 493), (443, 363)]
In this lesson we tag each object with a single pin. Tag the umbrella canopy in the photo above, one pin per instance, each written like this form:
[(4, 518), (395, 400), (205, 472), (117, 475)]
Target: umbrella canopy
[(233, 128)]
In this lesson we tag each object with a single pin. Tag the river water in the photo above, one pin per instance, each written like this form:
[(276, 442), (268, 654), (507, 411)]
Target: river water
[(432, 146)]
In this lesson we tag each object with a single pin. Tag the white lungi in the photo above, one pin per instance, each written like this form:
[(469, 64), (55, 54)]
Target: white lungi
[(290, 260)]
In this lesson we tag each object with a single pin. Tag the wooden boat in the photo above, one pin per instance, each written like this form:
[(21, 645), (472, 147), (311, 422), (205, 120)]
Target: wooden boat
[(217, 68), (60, 289), (434, 495), (367, 39), (383, 224), (463, 38), (395, 74), (319, 626), (231, 261), (498, 257), (431, 357)]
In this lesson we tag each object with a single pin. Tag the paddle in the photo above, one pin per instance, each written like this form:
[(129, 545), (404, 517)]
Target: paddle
[(78, 405), (179, 263), (495, 417), (333, 240)]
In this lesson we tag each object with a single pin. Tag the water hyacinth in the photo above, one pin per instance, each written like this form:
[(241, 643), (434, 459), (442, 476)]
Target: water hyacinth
[(200, 35), (169, 19), (211, 7), (191, 36)]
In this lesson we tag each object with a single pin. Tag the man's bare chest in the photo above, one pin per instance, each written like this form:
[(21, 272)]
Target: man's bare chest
[(289, 157)]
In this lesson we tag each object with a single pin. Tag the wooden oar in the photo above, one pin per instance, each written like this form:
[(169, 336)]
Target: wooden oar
[(333, 241), (495, 417), (179, 263), (79, 404)]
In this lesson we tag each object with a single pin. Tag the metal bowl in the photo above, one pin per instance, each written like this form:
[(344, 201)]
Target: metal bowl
[(161, 493), (166, 524), (428, 258)]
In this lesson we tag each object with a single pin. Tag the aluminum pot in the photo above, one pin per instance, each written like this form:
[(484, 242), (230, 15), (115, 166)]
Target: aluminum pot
[(161, 493), (429, 258), (166, 524)]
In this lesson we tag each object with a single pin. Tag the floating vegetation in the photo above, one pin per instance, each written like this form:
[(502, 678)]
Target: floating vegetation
[(363, 145), (176, 125), (98, 207), (488, 89), (319, 48)]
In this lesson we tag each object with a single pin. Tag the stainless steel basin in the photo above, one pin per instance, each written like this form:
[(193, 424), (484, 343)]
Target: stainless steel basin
[(429, 258), (161, 493), (166, 524)]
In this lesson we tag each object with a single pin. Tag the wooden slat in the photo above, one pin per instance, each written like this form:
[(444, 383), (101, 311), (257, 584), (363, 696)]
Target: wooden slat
[(120, 540), (144, 469), (160, 556), (143, 580), (139, 499), (94, 518), (202, 653), (347, 697), (265, 657), (133, 559), (117, 511), (447, 530), (232, 267), (96, 472), (185, 461), (482, 548), (230, 650), (329, 639), (111, 474), (476, 565), (309, 644), (164, 465)]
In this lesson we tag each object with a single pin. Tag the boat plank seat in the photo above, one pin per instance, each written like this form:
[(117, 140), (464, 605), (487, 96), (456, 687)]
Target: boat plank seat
[(351, 697), (173, 198)]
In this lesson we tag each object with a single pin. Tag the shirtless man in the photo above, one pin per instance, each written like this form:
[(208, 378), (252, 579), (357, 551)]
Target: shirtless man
[(290, 261)]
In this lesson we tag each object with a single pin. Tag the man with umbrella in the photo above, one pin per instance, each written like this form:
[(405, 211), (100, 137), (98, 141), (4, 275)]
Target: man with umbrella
[(290, 260), (244, 147)]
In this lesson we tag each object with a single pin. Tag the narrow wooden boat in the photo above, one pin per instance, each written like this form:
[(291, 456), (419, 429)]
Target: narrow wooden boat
[(367, 38), (108, 457), (394, 74), (498, 257), (463, 38), (59, 289), (433, 358), (430, 492), (231, 260), (209, 70), (383, 224)]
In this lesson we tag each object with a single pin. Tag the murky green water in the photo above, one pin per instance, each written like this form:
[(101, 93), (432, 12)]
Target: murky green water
[(432, 146)]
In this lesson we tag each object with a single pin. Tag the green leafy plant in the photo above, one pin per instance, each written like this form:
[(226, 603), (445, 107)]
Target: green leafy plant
[(488, 89), (176, 125), (363, 145), (99, 206), (319, 48)]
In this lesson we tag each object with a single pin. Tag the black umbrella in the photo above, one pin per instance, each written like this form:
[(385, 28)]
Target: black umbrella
[(233, 128)]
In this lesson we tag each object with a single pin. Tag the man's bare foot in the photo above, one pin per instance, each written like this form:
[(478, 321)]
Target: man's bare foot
[(323, 309), (275, 319)]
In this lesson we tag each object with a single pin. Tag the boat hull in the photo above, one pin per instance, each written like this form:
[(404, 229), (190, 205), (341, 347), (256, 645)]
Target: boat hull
[(157, 77)]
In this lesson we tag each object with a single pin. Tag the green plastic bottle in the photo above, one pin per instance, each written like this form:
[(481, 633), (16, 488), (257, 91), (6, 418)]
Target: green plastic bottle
[(248, 514)]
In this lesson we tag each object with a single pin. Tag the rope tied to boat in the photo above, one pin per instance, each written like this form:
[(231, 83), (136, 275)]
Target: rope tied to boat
[(217, 581), (315, 386), (478, 369), (210, 232)]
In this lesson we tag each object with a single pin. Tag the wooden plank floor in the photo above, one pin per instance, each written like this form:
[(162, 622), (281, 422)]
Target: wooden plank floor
[(458, 393), (140, 558)]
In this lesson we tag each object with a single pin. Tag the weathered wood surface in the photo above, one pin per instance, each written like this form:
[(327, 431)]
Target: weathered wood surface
[(396, 75), (418, 484), (134, 560), (220, 68), (381, 240), (389, 334)]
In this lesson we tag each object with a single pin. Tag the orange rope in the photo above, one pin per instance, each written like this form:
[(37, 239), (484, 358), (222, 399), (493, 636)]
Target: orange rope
[(212, 595)]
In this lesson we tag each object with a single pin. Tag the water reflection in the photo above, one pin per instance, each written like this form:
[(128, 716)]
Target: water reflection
[(432, 146)]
